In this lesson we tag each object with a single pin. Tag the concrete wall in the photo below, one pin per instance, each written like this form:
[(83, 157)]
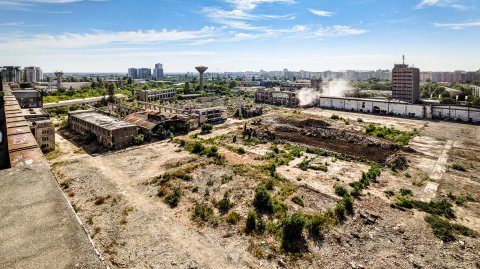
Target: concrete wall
[(418, 111)]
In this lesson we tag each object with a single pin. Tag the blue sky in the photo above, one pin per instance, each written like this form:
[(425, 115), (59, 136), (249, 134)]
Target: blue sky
[(240, 35)]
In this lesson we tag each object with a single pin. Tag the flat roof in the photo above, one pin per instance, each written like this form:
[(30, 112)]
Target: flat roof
[(31, 112), (101, 120)]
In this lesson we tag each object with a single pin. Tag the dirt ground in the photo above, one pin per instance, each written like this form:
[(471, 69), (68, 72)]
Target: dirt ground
[(134, 228)]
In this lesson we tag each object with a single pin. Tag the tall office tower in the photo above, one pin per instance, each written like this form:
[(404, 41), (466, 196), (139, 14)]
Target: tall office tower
[(133, 73), (406, 83), (12, 74), (144, 73), (33, 74), (158, 71)]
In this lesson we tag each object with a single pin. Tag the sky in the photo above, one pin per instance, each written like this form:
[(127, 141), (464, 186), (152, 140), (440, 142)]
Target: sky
[(240, 35)]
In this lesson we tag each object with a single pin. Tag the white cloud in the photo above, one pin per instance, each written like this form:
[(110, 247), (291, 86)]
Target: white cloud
[(252, 4), (457, 26), (338, 30), (322, 13), (441, 3), (99, 38)]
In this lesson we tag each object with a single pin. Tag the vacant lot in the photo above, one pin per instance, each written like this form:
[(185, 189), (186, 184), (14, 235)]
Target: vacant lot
[(178, 205)]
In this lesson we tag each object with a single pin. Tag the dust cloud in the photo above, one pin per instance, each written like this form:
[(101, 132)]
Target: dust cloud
[(334, 88)]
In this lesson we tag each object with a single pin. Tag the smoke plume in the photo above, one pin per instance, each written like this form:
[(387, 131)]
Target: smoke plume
[(334, 88)]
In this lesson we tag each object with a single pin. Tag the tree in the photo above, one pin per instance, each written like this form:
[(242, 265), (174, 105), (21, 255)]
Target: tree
[(111, 92), (233, 84), (130, 81)]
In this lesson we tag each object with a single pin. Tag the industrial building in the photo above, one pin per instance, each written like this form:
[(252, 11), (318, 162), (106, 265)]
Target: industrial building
[(277, 97), (406, 83), (153, 120), (41, 127), (28, 98), (110, 132), (156, 95), (210, 114)]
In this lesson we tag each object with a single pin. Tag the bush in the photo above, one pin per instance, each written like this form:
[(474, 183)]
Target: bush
[(340, 211), (202, 212), (250, 223), (241, 151), (138, 140), (335, 117), (316, 225), (173, 198), (348, 203), (297, 200), (359, 120), (262, 200), (206, 128), (441, 208), (340, 190), (232, 218), (405, 192), (445, 230), (198, 147), (224, 205), (292, 229), (458, 167)]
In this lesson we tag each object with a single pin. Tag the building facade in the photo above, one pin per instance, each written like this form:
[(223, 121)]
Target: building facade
[(28, 98), (156, 95), (41, 127), (276, 97), (144, 73), (158, 72), (406, 83), (133, 73), (210, 114), (12, 74), (33, 74), (110, 132)]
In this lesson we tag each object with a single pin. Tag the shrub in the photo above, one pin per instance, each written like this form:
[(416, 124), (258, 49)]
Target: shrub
[(389, 193), (232, 218), (292, 229), (99, 200), (316, 225), (340, 211), (224, 204), (261, 225), (359, 120), (241, 151), (335, 117), (173, 198), (348, 203), (198, 147), (250, 223), (340, 190), (206, 128), (445, 230), (137, 140), (458, 167), (297, 200), (406, 192), (262, 199), (441, 208), (202, 212)]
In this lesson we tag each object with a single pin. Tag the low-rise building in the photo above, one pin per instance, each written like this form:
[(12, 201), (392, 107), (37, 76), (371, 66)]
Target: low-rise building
[(210, 114), (156, 95), (28, 98), (110, 132), (41, 127), (277, 97)]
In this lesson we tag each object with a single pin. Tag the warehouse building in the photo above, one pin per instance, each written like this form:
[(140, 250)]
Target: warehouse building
[(156, 95), (110, 132), (210, 114)]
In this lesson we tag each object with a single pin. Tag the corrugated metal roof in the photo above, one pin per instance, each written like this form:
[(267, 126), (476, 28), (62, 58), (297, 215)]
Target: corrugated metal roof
[(137, 119)]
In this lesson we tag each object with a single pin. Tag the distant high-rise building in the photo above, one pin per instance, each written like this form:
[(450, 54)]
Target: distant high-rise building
[(33, 74), (133, 73), (406, 83), (158, 71), (144, 73), (12, 74)]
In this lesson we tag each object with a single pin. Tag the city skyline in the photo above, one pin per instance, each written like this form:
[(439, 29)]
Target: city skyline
[(241, 35)]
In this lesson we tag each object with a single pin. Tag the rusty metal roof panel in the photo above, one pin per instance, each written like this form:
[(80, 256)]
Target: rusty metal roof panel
[(17, 124), (26, 157), (18, 130), (140, 121)]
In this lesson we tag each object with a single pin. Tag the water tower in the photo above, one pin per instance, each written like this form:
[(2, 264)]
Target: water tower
[(201, 70), (59, 75)]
